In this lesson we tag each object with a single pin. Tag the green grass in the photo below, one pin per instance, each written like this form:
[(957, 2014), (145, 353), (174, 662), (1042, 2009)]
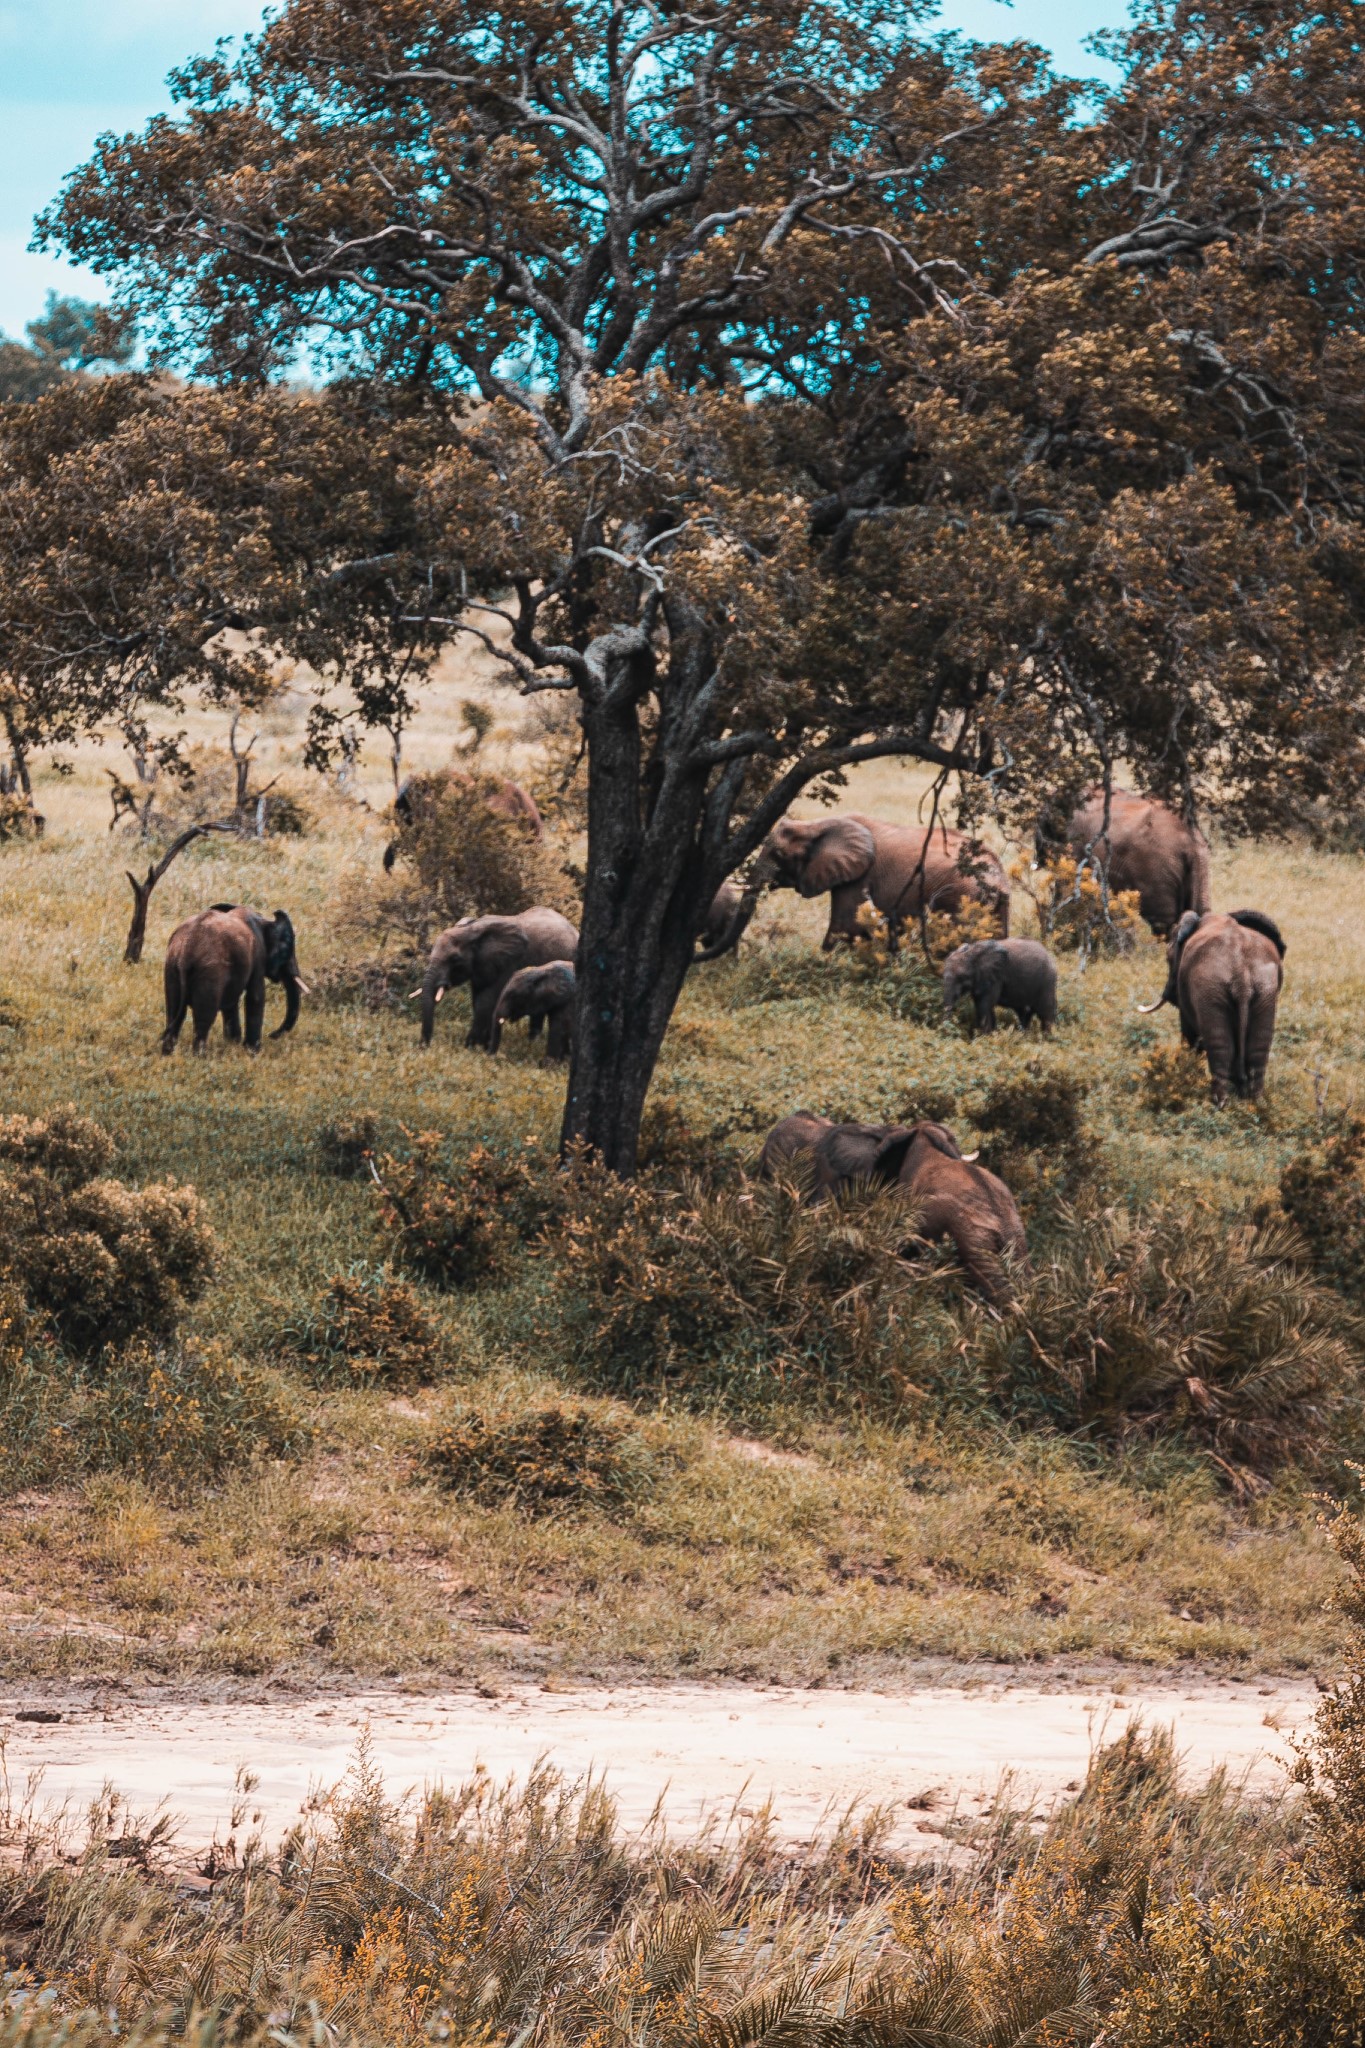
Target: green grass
[(885, 1539)]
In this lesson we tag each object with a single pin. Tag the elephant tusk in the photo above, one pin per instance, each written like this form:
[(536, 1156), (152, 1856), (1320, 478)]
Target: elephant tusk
[(1146, 1009), (302, 985), (968, 1157), (415, 993), (440, 994)]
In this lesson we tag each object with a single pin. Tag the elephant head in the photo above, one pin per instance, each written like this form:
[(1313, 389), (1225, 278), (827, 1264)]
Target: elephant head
[(476, 950), (810, 855), (970, 971), (276, 935), (1175, 945), (894, 1150)]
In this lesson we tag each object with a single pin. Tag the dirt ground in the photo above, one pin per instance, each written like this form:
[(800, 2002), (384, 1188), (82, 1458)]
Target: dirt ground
[(232, 1768)]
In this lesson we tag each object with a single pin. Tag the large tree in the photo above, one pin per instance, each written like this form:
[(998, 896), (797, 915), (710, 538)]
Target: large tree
[(810, 391)]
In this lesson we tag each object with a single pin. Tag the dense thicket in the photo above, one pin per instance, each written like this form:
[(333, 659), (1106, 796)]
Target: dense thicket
[(809, 390)]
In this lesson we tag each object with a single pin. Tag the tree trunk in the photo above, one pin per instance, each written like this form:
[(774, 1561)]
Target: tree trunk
[(645, 902), (16, 747)]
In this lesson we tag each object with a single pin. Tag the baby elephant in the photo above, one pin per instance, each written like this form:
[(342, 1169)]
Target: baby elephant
[(538, 993), (1017, 974)]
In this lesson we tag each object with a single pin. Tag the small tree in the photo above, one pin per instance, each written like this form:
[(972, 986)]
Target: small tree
[(836, 394)]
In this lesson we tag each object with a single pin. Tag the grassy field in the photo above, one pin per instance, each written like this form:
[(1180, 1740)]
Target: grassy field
[(812, 1541)]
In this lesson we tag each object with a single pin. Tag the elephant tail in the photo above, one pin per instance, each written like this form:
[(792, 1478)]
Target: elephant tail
[(1241, 1020)]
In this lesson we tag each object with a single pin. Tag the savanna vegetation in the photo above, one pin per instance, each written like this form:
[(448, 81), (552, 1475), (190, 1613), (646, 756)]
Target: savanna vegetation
[(693, 416)]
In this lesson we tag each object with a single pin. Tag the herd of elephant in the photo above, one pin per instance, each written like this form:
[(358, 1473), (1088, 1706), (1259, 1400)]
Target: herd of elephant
[(1224, 974)]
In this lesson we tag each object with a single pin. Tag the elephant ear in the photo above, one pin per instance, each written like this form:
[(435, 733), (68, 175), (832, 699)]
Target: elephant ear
[(501, 950), (992, 962), (939, 1136), (841, 853), (1257, 921), (889, 1157), (279, 943)]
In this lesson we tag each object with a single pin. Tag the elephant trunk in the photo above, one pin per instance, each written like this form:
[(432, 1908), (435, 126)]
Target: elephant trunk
[(433, 988), (763, 876), (294, 989)]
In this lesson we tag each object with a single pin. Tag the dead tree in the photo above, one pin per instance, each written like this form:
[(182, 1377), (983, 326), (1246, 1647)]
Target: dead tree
[(142, 891)]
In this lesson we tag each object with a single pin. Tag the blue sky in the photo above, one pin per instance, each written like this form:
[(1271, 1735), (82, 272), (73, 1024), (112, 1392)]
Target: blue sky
[(71, 68)]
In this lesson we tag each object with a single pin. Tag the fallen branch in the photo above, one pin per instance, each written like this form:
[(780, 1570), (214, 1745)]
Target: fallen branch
[(142, 891)]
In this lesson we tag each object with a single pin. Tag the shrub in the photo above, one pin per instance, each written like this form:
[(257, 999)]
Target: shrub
[(458, 1232), (455, 858), (68, 1147), (708, 1287), (348, 1144), (571, 1455), (1036, 1139), (1324, 1198), (1172, 1078), (1178, 1324), (98, 1260), (184, 1412), (287, 815), (178, 1412), (367, 1326), (1072, 914)]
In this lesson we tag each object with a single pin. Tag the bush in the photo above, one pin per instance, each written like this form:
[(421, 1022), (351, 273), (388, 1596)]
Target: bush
[(572, 1455), (184, 1412), (459, 1232), (179, 1413), (347, 1145), (1172, 1078), (99, 1261), (1324, 1199), (1036, 1139), (1173, 1324), (1072, 916), (455, 858), (366, 1326), (706, 1287)]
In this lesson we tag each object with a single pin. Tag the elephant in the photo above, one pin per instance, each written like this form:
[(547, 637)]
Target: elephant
[(1018, 974), (952, 1196), (486, 952), (1225, 975), (724, 904), (223, 954), (538, 993), (506, 800), (1147, 848), (901, 869)]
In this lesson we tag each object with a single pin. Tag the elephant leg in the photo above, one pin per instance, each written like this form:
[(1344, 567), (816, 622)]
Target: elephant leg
[(205, 1003), (255, 1012), (1221, 1053), (844, 904), (481, 1021), (232, 1019), (176, 1006), (533, 1028), (558, 1036), (1260, 1033), (985, 1014)]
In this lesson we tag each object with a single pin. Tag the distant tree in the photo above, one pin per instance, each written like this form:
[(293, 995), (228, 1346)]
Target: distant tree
[(73, 335), (839, 394)]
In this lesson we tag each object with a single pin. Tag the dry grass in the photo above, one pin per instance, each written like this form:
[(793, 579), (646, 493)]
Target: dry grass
[(925, 1530)]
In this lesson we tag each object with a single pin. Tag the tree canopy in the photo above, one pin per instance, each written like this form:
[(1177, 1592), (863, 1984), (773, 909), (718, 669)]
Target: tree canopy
[(802, 387), (72, 335)]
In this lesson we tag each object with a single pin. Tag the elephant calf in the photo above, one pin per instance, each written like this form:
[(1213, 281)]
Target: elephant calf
[(1014, 974), (539, 993), (953, 1196), (486, 952), (1225, 972), (215, 959)]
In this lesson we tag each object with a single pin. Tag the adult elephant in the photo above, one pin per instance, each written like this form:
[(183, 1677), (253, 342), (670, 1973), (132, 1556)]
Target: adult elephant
[(1225, 972), (853, 859), (485, 952), (952, 1196), (505, 799), (1146, 847), (222, 955)]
